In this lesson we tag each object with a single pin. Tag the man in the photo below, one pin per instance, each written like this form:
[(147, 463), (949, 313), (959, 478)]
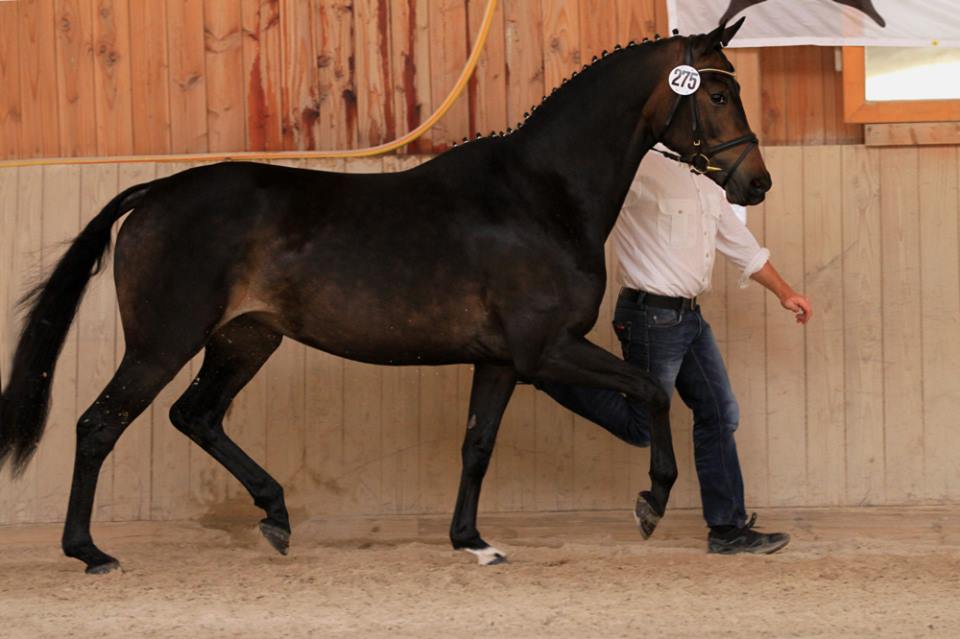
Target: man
[(666, 238)]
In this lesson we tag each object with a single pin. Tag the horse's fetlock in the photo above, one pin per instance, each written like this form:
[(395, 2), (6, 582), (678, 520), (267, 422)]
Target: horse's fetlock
[(270, 497), (461, 538), (75, 546), (667, 479), (276, 492)]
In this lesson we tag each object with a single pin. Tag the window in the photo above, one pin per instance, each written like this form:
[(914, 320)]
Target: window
[(882, 84)]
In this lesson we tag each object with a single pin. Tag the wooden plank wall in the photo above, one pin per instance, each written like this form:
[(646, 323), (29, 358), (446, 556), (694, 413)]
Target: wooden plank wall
[(124, 77), (858, 408)]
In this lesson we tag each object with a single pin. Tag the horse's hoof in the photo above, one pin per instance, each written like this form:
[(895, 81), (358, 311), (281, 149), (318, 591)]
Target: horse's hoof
[(645, 514), (488, 556), (278, 537), (102, 569)]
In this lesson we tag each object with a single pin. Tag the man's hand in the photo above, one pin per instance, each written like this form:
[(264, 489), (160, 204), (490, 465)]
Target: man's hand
[(799, 306), (789, 298)]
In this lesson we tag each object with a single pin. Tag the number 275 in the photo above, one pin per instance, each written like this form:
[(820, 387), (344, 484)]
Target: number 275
[(681, 77)]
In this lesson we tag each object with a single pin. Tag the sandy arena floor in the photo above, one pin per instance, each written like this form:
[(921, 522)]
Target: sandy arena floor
[(848, 573)]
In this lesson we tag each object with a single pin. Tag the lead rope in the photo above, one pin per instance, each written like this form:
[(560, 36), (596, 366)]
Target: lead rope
[(380, 149)]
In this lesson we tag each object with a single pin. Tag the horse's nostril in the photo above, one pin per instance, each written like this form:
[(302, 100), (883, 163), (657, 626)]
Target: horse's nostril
[(761, 183)]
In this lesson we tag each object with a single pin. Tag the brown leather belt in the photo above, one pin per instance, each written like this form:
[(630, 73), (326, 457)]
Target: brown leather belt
[(635, 296)]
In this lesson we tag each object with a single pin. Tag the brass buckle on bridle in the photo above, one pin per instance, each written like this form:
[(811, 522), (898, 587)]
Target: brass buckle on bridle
[(700, 163)]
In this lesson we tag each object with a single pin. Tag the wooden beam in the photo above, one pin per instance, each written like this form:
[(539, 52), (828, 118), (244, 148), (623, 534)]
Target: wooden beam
[(912, 134)]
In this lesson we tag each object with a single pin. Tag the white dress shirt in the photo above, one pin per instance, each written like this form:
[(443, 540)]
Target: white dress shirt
[(671, 226)]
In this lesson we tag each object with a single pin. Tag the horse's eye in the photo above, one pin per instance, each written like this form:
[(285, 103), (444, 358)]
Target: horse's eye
[(718, 98)]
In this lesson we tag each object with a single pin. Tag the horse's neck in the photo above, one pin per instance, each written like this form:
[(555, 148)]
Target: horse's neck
[(592, 136)]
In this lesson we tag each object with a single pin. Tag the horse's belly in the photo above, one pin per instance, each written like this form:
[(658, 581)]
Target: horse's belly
[(392, 303), (397, 346), (387, 330)]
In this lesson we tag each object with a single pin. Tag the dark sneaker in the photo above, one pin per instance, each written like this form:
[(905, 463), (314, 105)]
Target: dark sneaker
[(746, 539)]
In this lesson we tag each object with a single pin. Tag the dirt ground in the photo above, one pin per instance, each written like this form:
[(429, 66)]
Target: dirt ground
[(848, 573)]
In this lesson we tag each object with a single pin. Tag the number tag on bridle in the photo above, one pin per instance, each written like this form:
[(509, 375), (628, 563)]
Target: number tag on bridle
[(684, 80)]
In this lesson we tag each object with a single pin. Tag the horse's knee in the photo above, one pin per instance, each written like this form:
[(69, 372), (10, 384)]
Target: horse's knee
[(476, 456), (478, 442)]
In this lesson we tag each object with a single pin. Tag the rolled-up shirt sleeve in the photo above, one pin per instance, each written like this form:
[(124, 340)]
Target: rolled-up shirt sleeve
[(736, 241)]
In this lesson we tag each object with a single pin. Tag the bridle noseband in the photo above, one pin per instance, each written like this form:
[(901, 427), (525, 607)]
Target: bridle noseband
[(701, 159)]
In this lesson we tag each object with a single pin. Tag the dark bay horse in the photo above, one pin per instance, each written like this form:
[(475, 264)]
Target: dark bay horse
[(491, 254)]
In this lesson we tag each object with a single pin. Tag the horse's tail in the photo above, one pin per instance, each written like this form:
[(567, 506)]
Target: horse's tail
[(53, 304)]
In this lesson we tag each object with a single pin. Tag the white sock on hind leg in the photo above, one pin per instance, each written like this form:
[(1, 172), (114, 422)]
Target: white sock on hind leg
[(487, 556)]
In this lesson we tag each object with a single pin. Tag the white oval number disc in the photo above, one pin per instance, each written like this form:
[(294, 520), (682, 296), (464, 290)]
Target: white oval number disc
[(684, 80)]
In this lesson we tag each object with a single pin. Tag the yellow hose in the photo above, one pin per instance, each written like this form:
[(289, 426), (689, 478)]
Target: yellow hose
[(452, 97)]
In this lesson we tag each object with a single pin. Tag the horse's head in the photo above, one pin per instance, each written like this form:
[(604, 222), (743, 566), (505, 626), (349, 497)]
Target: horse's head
[(706, 123)]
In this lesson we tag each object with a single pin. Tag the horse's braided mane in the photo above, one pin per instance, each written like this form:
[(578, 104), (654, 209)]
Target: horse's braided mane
[(596, 62)]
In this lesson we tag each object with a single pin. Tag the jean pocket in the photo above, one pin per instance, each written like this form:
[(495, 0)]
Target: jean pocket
[(623, 329), (663, 318)]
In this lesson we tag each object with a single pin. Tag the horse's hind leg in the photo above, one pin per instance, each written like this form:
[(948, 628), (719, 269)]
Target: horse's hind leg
[(233, 356), (134, 385), (578, 362), (492, 388)]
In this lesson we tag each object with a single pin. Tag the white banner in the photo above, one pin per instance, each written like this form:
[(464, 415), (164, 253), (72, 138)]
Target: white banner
[(890, 23)]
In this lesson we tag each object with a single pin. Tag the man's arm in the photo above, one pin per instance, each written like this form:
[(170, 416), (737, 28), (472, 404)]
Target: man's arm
[(789, 298), (736, 241)]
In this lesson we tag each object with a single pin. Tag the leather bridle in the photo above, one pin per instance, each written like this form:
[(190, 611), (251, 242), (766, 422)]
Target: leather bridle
[(701, 159)]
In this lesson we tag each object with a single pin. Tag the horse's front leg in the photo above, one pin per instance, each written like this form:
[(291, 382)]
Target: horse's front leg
[(492, 387), (576, 361)]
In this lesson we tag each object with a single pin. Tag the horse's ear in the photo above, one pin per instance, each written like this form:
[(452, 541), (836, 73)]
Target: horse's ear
[(722, 35), (731, 31)]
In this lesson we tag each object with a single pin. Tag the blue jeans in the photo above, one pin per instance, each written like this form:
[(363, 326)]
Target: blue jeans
[(679, 350)]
